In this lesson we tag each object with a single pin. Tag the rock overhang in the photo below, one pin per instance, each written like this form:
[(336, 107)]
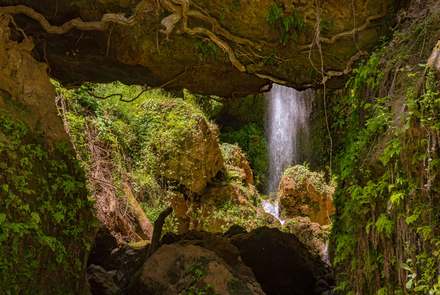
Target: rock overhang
[(221, 47)]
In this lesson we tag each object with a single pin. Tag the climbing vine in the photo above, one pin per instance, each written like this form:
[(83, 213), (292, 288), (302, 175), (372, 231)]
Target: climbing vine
[(40, 188), (386, 159)]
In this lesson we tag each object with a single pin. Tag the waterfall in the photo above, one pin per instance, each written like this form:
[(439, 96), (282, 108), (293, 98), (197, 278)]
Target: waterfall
[(287, 132)]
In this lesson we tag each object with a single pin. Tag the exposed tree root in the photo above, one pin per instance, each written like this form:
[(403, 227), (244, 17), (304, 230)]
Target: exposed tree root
[(180, 12), (347, 69), (361, 28), (106, 20)]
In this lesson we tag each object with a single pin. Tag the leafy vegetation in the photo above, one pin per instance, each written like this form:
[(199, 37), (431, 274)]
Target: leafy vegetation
[(197, 287), (124, 145), (203, 49), (245, 128), (46, 212), (386, 167), (251, 139), (290, 24)]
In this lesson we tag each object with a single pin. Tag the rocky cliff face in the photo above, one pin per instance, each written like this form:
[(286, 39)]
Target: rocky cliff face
[(385, 235), (46, 219), (223, 47)]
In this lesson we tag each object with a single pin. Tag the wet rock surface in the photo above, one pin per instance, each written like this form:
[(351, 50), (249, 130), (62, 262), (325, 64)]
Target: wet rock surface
[(306, 193), (109, 262), (125, 261), (181, 267)]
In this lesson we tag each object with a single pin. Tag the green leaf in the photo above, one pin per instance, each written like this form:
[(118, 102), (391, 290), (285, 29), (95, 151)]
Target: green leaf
[(2, 218), (396, 197), (58, 216), (405, 267), (35, 217), (412, 218), (409, 284)]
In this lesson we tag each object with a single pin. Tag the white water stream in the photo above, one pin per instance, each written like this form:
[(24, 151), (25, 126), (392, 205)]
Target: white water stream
[(287, 131)]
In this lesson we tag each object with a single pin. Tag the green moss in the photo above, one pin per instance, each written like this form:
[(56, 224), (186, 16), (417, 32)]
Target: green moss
[(250, 138), (387, 198), (46, 220), (301, 174)]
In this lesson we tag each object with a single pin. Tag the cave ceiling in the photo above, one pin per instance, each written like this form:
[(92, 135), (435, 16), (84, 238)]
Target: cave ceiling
[(228, 48)]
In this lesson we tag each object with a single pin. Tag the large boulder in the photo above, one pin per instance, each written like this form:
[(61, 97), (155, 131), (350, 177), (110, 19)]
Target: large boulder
[(311, 234), (125, 262), (183, 268), (182, 143), (222, 206), (196, 158), (306, 193), (279, 261)]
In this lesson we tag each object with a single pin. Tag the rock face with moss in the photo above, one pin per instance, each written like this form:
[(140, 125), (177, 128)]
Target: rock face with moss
[(386, 134), (302, 192), (46, 218), (236, 160), (186, 147), (222, 47), (311, 234)]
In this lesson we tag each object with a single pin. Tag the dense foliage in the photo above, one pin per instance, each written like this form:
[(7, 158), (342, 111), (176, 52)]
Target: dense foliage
[(39, 189), (124, 144), (386, 131), (242, 123)]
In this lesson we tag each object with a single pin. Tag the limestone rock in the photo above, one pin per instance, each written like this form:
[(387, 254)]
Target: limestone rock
[(50, 257), (175, 268), (221, 207), (302, 192), (195, 160), (180, 206), (236, 160), (161, 49), (311, 234), (279, 261)]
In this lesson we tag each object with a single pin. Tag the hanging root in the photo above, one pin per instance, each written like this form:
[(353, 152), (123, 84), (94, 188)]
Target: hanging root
[(347, 69), (361, 28), (319, 39), (106, 20), (180, 11)]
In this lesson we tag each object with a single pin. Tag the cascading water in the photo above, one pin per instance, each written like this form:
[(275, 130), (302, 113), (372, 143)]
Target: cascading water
[(287, 131)]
